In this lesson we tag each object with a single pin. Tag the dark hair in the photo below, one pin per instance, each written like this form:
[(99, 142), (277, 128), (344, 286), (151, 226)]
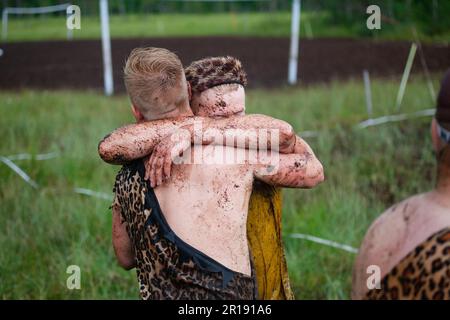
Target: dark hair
[(443, 103)]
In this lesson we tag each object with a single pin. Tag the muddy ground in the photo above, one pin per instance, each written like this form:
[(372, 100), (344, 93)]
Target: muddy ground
[(78, 64)]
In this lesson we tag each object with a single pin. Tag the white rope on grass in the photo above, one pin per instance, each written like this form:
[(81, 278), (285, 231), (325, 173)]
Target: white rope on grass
[(92, 193), (28, 156), (395, 118), (326, 242), (8, 161), (19, 171), (379, 121)]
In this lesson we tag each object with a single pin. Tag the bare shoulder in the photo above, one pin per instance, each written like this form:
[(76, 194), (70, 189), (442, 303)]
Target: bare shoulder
[(389, 228), (383, 240)]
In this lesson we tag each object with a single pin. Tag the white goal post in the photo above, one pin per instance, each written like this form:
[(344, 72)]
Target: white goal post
[(295, 40), (38, 10), (106, 48), (295, 34), (106, 38)]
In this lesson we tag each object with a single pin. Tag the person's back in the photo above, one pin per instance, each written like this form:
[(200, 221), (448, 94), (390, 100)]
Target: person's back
[(171, 265), (207, 204), (409, 242)]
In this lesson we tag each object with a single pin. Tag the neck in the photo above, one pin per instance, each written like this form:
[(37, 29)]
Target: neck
[(173, 112), (186, 113), (443, 174), (185, 109)]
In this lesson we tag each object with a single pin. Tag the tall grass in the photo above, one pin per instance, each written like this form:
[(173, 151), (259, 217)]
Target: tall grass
[(45, 230)]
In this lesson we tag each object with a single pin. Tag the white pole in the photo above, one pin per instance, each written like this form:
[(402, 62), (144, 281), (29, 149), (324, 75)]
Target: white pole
[(368, 93), (69, 30), (106, 46), (69, 34), (5, 24), (295, 32), (408, 66)]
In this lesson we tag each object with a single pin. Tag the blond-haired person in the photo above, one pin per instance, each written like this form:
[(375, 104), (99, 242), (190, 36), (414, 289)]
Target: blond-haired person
[(187, 236)]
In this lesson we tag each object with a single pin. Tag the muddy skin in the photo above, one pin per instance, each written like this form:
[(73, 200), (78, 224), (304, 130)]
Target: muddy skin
[(138, 140), (213, 199), (296, 171), (215, 226)]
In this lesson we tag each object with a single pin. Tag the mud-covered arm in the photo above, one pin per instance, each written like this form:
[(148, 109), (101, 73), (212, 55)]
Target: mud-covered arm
[(298, 170), (136, 141)]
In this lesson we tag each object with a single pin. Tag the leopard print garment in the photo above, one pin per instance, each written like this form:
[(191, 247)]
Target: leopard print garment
[(167, 267), (422, 274)]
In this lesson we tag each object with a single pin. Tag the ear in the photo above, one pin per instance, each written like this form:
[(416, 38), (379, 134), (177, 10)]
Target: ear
[(437, 143), (189, 88), (137, 114)]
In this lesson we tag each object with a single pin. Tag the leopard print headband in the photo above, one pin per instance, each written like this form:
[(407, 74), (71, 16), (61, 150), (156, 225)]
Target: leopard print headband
[(214, 71)]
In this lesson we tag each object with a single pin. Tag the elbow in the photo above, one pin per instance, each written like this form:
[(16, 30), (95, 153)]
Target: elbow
[(103, 149), (125, 256), (124, 253), (106, 153), (126, 263), (315, 177)]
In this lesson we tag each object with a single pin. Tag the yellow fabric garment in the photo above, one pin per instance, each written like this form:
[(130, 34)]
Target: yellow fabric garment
[(266, 245)]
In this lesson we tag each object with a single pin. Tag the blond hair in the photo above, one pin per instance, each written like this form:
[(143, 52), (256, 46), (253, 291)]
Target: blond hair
[(154, 79)]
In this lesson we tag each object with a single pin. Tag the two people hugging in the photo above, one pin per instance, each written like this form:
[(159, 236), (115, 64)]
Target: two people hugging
[(197, 206)]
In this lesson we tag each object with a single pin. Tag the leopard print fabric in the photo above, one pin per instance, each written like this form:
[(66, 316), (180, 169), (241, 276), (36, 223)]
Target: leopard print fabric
[(422, 274), (167, 267)]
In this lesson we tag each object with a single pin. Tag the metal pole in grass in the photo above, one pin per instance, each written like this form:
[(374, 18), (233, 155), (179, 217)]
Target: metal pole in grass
[(69, 34), (368, 92), (409, 63), (424, 64), (106, 46), (69, 30), (295, 39)]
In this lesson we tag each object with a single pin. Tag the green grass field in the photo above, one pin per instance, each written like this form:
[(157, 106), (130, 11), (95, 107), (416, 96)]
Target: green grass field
[(45, 230), (277, 24)]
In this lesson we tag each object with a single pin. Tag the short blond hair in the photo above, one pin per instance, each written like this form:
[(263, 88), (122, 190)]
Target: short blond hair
[(154, 78)]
